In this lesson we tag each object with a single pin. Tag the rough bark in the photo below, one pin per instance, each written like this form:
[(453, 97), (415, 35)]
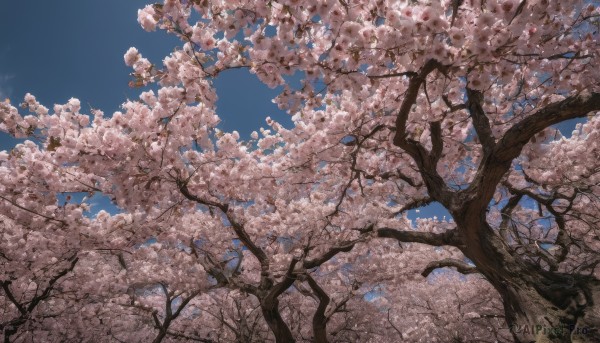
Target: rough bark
[(269, 305), (270, 311), (533, 297), (319, 321), (552, 309), (541, 305)]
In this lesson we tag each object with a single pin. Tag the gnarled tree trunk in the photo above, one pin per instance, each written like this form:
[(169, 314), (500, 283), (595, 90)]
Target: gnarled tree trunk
[(552, 309), (540, 305), (270, 311)]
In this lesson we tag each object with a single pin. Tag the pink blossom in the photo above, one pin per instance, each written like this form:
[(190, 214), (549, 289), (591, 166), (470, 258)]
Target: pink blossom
[(146, 18)]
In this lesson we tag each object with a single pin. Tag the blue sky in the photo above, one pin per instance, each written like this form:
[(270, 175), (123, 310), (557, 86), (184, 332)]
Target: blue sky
[(71, 48), (60, 49)]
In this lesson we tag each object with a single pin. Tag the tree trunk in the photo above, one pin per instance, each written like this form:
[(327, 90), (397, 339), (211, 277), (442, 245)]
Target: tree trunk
[(552, 307), (270, 311), (540, 305), (319, 319), (161, 335)]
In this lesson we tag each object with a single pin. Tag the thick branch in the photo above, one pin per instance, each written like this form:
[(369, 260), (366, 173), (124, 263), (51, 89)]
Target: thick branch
[(409, 100), (342, 247), (270, 307), (481, 122), (254, 249), (186, 193), (506, 213), (449, 237), (317, 261), (287, 281), (576, 106), (498, 162), (460, 266), (425, 160), (319, 320), (437, 144)]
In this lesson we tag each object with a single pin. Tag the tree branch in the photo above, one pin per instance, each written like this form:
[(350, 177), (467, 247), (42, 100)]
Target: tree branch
[(449, 237), (287, 281), (481, 122), (460, 266), (270, 306), (406, 73), (35, 301), (14, 325), (506, 215), (576, 106), (169, 315), (345, 246), (437, 144), (238, 228), (425, 160), (215, 270), (11, 297), (495, 165), (190, 338), (184, 303), (392, 324), (563, 239), (33, 212), (409, 100), (319, 320), (183, 188)]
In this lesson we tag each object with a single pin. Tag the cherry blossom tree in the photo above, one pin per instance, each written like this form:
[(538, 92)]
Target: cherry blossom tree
[(303, 233)]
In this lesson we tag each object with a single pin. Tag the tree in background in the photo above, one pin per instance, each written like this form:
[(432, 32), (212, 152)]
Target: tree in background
[(302, 233)]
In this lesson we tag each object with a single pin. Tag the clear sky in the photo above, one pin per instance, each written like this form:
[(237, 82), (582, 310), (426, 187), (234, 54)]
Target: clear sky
[(61, 49), (74, 48)]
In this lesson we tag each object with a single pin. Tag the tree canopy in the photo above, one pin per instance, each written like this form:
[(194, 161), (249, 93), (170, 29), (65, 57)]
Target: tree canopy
[(302, 233)]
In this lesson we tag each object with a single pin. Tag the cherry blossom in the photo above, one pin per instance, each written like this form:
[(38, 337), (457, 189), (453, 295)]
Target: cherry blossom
[(307, 233)]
